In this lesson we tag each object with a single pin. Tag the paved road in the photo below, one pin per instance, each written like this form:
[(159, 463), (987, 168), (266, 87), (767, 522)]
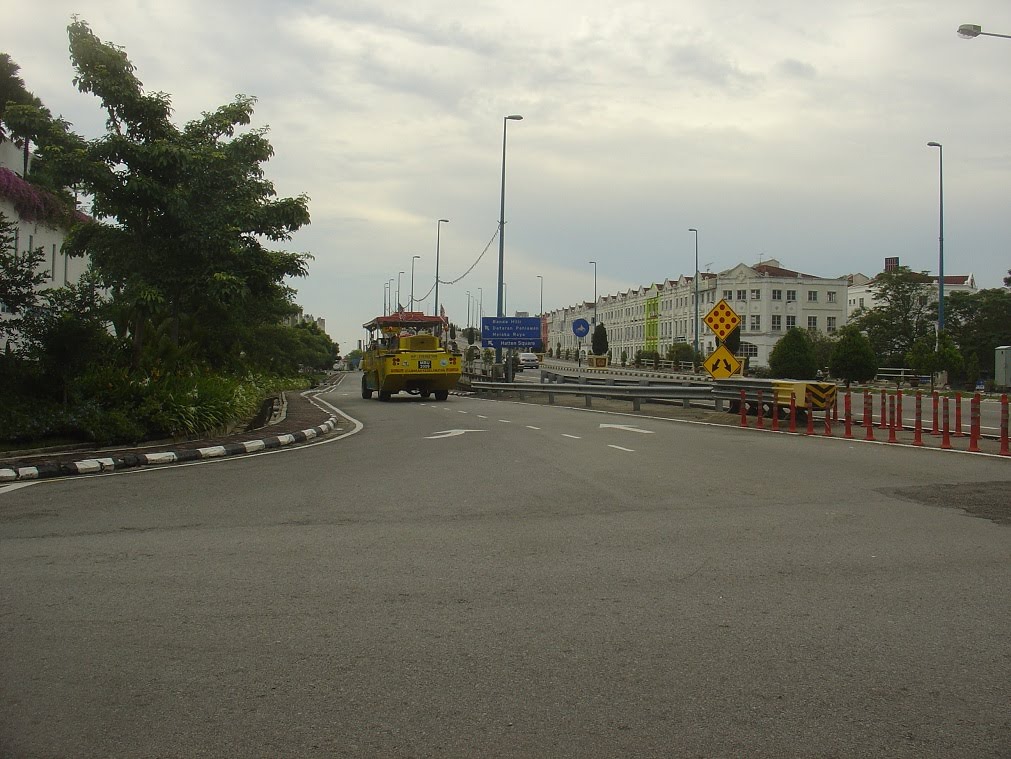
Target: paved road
[(536, 585)]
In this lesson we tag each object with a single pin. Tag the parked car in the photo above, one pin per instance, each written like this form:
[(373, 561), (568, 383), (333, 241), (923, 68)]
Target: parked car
[(529, 361)]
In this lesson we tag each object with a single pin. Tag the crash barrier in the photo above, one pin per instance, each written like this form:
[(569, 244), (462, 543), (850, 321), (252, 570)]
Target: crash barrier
[(752, 397)]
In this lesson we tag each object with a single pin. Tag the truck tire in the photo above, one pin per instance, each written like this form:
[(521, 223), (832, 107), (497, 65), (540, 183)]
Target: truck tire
[(441, 395), (366, 393)]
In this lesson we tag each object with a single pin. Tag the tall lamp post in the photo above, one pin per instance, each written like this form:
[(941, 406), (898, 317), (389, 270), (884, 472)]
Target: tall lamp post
[(399, 273), (386, 298), (594, 293), (975, 30), (541, 312), (438, 228), (501, 228), (413, 259), (695, 323), (940, 241), (389, 286)]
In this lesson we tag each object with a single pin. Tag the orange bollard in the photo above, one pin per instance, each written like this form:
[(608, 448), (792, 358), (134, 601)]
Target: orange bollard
[(835, 406), (934, 430), (918, 422), (946, 437), (793, 412), (828, 423), (884, 409), (898, 411), (1003, 427), (775, 413), (848, 414), (744, 410), (891, 419), (810, 417), (958, 415), (761, 425), (974, 424), (868, 416)]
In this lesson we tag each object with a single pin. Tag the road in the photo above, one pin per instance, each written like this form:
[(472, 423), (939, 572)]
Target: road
[(486, 578)]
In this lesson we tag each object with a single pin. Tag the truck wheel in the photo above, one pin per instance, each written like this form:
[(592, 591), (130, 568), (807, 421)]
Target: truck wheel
[(441, 395), (366, 393), (425, 393)]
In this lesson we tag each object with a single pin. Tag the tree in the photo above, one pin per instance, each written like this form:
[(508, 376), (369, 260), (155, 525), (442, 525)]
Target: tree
[(978, 323), (793, 356), (904, 313), (852, 357), (822, 345), (20, 275), (181, 214), (929, 356), (598, 340), (1007, 279)]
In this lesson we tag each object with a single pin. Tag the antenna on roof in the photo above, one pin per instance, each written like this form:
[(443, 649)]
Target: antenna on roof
[(708, 265)]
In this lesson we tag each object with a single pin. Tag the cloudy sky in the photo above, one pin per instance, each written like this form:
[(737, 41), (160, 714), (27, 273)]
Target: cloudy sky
[(787, 129)]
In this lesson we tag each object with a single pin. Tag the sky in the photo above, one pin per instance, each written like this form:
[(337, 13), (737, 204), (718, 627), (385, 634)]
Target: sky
[(787, 129)]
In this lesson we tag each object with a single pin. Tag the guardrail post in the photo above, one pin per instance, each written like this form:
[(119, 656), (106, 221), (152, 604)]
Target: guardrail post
[(793, 411), (1003, 427), (958, 415), (868, 416), (744, 409), (810, 417), (848, 414), (918, 421), (934, 428), (760, 425), (946, 437), (884, 410), (974, 424), (891, 419)]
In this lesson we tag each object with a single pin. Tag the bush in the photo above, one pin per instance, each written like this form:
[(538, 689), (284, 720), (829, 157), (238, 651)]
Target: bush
[(793, 356)]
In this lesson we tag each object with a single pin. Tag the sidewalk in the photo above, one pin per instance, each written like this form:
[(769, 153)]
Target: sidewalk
[(301, 420)]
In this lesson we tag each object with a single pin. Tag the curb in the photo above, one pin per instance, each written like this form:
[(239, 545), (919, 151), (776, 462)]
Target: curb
[(131, 460)]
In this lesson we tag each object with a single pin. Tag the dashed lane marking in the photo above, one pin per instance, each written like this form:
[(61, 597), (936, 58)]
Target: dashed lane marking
[(574, 437), (629, 450), (531, 427)]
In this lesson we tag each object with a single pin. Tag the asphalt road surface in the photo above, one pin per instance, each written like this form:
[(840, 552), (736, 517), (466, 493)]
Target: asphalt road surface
[(482, 578)]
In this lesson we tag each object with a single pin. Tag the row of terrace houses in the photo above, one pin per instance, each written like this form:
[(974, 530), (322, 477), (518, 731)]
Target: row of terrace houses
[(769, 299)]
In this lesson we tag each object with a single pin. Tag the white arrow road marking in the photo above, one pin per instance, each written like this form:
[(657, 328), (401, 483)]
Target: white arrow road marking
[(629, 450), (627, 428), (449, 433)]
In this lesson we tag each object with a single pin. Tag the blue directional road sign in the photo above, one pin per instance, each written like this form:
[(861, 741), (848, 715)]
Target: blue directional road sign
[(510, 331), (580, 327)]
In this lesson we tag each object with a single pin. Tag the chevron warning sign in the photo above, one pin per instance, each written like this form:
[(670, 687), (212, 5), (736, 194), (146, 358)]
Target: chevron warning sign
[(722, 364)]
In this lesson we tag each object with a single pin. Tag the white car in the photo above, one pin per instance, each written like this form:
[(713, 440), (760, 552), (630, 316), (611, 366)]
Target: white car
[(529, 361)]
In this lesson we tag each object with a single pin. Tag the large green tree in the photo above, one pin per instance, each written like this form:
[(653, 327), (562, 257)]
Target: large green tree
[(181, 215), (904, 312), (978, 323), (598, 340), (852, 357), (793, 356)]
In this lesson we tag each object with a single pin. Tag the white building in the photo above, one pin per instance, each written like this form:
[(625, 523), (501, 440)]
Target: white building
[(768, 298), (861, 291), (33, 233)]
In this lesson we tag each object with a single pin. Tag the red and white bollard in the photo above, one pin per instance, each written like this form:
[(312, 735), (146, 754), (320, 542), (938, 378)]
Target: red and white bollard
[(744, 409), (1004, 451), (898, 410), (891, 419), (775, 412), (946, 437), (958, 415), (848, 414), (934, 430), (810, 417), (868, 416), (918, 422), (884, 410), (761, 403), (793, 412), (974, 424)]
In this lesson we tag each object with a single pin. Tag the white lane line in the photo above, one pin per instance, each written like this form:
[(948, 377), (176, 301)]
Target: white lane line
[(531, 427), (574, 437), (506, 421), (462, 412), (15, 486), (629, 450), (481, 416)]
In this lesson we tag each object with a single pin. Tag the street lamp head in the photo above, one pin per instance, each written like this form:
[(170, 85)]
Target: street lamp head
[(444, 220), (693, 229), (933, 144), (968, 31), (413, 257), (515, 117)]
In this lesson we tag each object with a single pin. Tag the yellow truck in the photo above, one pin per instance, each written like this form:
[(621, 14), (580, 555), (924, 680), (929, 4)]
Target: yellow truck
[(406, 354)]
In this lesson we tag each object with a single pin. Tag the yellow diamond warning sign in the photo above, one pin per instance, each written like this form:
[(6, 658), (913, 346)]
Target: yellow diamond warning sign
[(722, 320), (722, 364)]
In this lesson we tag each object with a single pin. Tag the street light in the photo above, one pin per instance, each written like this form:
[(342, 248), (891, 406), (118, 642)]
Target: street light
[(594, 292), (413, 259), (542, 294), (968, 31), (501, 226), (695, 323), (438, 228), (398, 290), (386, 297), (940, 240)]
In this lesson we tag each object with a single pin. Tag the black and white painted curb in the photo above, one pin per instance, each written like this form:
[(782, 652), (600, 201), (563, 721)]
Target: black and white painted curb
[(130, 460)]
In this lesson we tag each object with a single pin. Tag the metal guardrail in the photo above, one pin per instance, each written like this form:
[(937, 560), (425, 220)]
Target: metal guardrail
[(635, 393)]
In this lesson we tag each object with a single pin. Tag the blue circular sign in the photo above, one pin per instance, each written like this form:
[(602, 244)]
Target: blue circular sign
[(580, 327)]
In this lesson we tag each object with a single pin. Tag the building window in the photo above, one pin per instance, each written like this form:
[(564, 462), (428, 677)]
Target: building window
[(791, 296), (791, 322), (812, 296), (861, 303), (756, 294), (812, 323), (830, 324), (742, 295), (756, 322), (728, 295), (777, 323), (748, 349), (777, 295), (831, 296), (3, 308)]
